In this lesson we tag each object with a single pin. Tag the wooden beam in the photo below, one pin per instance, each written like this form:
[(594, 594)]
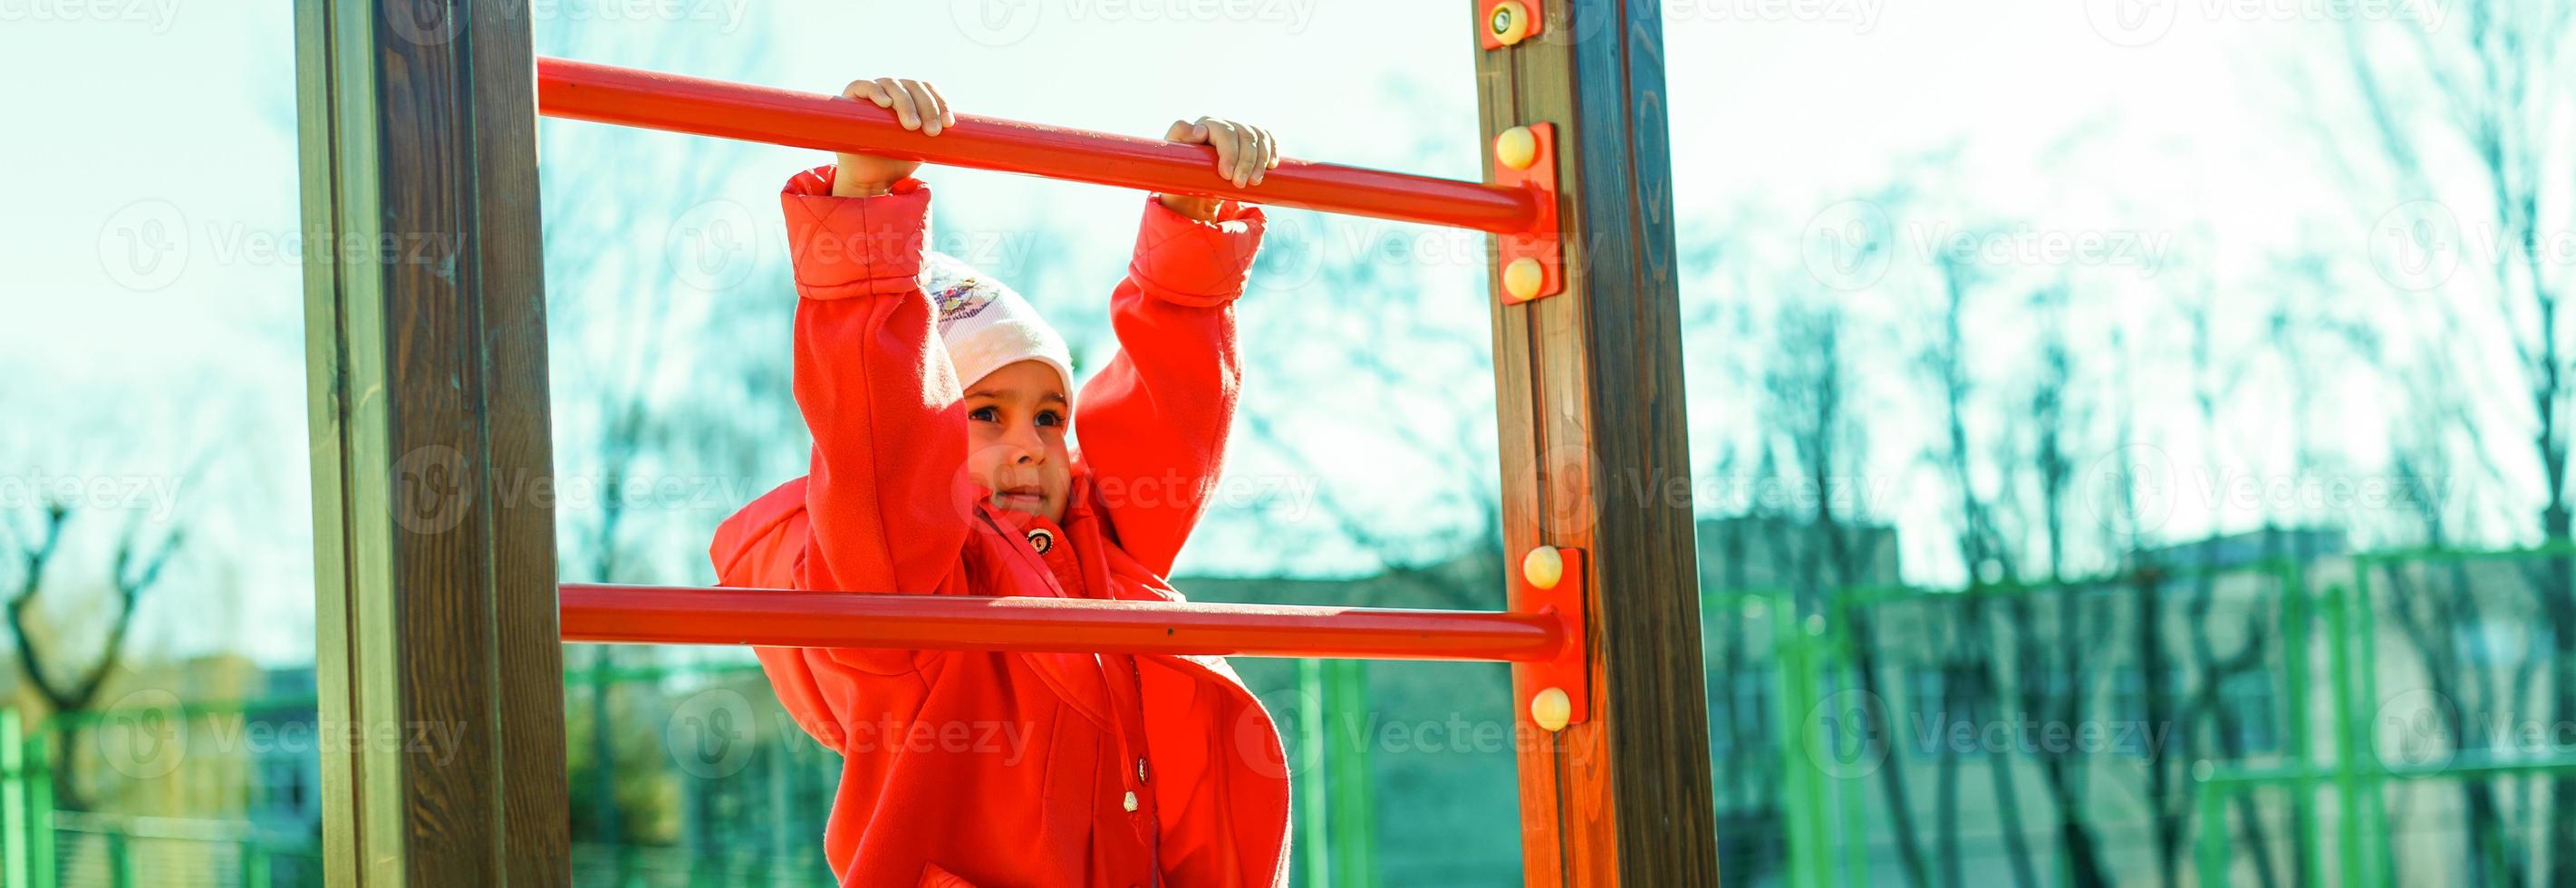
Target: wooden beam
[(1588, 385), (439, 670)]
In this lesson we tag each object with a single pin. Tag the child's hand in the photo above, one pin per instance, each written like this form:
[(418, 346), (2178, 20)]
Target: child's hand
[(918, 106), (1244, 154)]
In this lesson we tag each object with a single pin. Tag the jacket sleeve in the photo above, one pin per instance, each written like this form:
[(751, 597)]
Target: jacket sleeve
[(889, 497), (1153, 423)]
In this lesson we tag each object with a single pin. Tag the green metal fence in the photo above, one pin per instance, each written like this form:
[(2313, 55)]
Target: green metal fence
[(2301, 700), (2319, 723), (697, 779)]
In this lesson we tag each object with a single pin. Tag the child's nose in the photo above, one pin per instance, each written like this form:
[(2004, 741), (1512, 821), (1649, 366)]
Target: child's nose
[(1026, 447)]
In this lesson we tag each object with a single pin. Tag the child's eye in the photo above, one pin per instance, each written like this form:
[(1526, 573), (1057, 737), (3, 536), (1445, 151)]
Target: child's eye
[(1050, 419), (985, 414)]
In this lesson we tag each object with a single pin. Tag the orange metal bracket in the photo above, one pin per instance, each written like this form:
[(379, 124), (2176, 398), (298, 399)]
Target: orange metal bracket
[(1540, 243), (1565, 599)]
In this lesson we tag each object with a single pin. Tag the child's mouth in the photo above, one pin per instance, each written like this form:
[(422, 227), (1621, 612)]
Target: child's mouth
[(1025, 499)]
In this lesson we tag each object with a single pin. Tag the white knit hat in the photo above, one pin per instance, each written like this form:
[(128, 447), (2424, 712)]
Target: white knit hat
[(986, 325)]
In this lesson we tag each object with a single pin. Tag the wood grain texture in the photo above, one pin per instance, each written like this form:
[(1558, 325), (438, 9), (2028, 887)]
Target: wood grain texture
[(435, 568), (1589, 390)]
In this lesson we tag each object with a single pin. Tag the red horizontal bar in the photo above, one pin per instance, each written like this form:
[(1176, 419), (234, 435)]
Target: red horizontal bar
[(790, 618), (630, 97)]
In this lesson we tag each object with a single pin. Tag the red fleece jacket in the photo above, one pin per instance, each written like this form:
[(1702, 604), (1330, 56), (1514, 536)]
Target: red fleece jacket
[(999, 769)]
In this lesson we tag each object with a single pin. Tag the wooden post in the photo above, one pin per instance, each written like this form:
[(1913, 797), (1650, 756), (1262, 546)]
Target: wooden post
[(1595, 456), (439, 669)]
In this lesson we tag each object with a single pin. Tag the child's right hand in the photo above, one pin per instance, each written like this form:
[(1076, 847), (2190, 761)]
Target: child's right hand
[(918, 106)]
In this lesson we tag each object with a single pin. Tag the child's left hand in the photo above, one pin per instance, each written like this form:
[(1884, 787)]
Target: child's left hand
[(1244, 154)]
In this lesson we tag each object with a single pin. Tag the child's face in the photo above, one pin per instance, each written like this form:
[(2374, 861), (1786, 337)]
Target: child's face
[(1016, 418)]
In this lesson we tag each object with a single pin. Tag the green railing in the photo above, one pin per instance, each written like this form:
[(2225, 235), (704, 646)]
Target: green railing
[(1813, 801), (1833, 818), (47, 847)]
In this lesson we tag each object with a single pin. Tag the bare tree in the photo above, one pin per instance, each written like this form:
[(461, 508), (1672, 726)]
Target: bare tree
[(1968, 673), (2468, 113), (1815, 440), (1383, 368), (670, 375), (141, 553), (2055, 415)]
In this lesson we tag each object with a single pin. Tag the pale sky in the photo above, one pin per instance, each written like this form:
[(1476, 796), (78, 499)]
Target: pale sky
[(151, 301)]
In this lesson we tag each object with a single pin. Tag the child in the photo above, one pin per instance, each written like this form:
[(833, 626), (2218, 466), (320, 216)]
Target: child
[(940, 406)]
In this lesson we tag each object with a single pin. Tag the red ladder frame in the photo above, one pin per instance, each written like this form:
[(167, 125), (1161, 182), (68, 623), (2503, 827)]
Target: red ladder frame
[(407, 128)]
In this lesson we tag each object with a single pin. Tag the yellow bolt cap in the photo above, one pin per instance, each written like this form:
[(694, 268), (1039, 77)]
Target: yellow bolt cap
[(1511, 22), (1516, 148), (1543, 567), (1551, 710), (1523, 277)]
